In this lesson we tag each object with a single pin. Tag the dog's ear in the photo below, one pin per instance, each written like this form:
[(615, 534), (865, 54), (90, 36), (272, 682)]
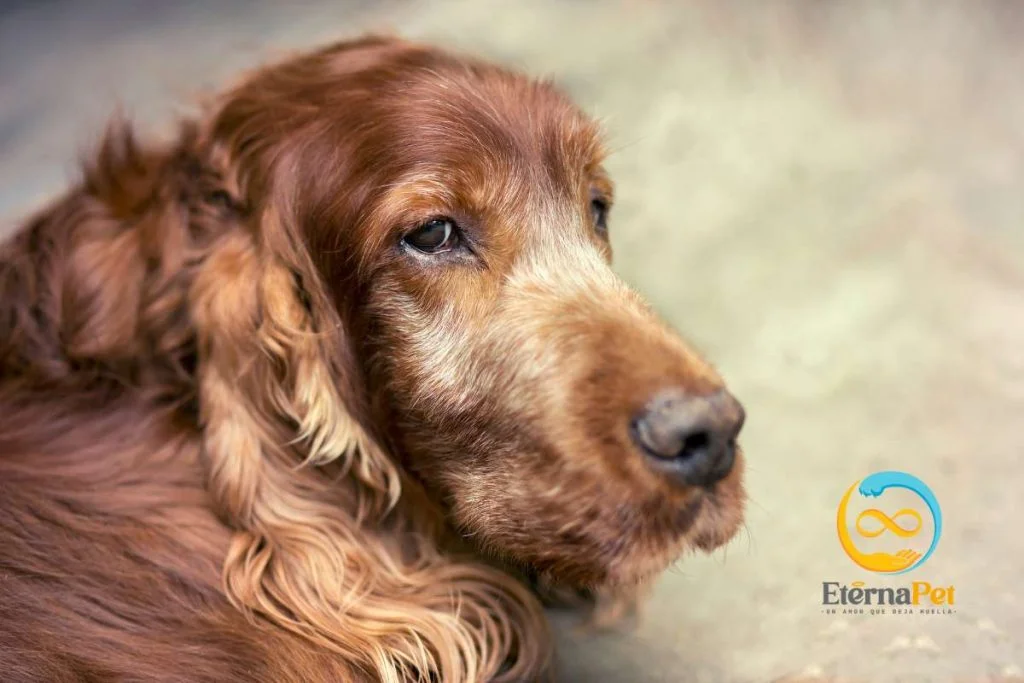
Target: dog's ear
[(269, 346), (328, 557)]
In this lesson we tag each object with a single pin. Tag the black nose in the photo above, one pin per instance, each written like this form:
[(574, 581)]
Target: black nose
[(691, 439)]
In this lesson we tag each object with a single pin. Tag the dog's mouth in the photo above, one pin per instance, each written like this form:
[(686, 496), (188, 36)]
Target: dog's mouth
[(689, 513), (653, 536), (720, 514), (613, 535), (711, 537)]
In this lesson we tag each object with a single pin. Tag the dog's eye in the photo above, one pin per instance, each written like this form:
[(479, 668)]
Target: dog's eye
[(434, 237), (599, 214)]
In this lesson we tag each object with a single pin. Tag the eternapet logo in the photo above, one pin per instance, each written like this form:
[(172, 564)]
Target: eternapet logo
[(892, 525), (889, 523)]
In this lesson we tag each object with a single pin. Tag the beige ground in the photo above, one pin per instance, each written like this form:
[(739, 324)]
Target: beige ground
[(826, 197)]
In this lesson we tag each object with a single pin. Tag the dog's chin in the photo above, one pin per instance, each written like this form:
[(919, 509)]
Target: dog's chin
[(716, 527), (710, 520), (721, 515), (601, 543), (619, 584), (712, 528)]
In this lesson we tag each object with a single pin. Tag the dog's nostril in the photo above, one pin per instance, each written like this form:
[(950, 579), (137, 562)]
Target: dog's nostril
[(691, 439), (694, 444)]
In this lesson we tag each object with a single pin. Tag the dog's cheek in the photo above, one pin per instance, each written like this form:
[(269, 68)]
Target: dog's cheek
[(515, 507)]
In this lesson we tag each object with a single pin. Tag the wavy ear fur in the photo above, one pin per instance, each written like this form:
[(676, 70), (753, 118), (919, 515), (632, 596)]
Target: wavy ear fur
[(338, 560), (157, 275)]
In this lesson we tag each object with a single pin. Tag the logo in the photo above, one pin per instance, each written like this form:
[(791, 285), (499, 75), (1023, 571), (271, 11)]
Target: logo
[(889, 522)]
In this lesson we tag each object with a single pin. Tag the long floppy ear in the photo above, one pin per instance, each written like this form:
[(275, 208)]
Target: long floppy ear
[(267, 337), (333, 559)]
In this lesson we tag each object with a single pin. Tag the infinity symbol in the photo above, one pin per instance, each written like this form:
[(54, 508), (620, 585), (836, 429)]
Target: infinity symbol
[(889, 523)]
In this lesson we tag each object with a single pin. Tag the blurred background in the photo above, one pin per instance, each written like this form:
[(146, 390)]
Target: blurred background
[(825, 197)]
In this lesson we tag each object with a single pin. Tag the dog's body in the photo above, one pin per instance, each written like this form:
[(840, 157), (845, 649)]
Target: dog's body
[(259, 387), (111, 553)]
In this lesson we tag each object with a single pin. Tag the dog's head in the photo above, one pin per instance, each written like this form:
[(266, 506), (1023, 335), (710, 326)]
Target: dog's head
[(421, 289), (458, 217)]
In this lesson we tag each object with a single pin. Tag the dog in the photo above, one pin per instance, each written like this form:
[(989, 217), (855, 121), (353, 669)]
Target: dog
[(319, 389)]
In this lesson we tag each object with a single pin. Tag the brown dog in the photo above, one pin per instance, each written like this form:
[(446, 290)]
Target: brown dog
[(295, 397)]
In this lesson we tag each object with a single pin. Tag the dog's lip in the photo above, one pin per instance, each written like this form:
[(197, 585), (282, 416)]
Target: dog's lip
[(691, 510)]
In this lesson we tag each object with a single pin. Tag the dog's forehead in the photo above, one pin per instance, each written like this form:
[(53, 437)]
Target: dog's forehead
[(485, 120), (430, 134)]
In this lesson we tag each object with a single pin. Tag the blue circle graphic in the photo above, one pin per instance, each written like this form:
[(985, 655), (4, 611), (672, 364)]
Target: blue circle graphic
[(875, 484)]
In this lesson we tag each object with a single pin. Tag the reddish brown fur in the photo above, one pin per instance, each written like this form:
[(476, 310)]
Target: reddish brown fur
[(193, 321)]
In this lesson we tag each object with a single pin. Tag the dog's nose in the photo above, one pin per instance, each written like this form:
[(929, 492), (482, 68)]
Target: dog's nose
[(691, 439)]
